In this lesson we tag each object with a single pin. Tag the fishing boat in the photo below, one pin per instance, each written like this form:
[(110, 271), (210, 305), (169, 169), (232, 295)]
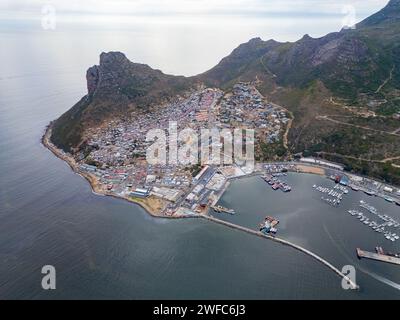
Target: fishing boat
[(221, 209), (388, 199), (370, 193)]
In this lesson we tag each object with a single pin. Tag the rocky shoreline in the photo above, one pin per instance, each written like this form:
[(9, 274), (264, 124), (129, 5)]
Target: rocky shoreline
[(96, 189)]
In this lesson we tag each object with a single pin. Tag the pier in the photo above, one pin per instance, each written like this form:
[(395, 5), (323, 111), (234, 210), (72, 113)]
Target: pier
[(378, 257), (353, 285)]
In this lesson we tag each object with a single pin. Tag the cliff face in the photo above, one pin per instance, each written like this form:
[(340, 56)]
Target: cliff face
[(116, 87), (350, 64), (92, 79)]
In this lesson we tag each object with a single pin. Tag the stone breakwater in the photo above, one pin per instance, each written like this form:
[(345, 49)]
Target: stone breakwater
[(71, 162), (353, 285)]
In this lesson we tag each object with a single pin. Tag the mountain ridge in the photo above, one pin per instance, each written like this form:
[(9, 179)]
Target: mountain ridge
[(356, 68)]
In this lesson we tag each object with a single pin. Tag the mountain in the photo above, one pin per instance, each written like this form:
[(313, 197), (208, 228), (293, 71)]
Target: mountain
[(350, 63), (389, 14), (116, 87), (329, 84)]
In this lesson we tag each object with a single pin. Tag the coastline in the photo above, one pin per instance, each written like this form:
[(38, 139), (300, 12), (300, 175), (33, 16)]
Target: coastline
[(93, 181), (150, 209), (148, 203)]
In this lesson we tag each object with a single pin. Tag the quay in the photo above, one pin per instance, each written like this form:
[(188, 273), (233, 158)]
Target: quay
[(353, 285), (378, 257), (221, 193)]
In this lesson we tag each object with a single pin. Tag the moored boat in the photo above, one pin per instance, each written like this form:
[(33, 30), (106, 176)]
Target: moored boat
[(370, 193), (221, 209), (388, 199)]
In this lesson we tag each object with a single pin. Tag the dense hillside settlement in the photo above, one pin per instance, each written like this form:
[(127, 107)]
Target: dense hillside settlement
[(335, 99)]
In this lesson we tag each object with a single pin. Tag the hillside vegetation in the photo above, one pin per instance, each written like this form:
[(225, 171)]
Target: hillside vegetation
[(343, 90)]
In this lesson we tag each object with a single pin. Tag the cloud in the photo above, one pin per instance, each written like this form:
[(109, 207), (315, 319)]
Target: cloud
[(249, 8)]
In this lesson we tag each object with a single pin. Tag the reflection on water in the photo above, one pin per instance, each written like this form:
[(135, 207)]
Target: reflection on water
[(106, 248)]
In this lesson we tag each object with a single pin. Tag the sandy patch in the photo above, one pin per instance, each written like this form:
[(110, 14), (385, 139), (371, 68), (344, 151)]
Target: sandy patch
[(310, 169)]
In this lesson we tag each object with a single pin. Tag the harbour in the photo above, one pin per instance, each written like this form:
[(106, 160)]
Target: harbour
[(90, 227), (387, 226), (353, 285), (339, 226), (276, 183)]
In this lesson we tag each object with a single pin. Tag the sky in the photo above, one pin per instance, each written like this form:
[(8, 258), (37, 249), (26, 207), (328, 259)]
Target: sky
[(197, 11), (177, 36)]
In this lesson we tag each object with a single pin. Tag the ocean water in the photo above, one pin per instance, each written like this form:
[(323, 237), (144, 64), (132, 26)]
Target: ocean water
[(104, 248), (325, 230)]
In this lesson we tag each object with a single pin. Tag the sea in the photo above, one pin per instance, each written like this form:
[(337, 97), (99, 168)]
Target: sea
[(105, 248)]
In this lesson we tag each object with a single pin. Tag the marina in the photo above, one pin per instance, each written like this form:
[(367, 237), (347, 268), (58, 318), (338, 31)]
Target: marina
[(386, 226), (370, 193), (275, 183), (339, 222), (334, 195)]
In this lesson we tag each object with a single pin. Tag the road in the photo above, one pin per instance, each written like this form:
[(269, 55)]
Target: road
[(327, 118), (362, 159), (386, 81)]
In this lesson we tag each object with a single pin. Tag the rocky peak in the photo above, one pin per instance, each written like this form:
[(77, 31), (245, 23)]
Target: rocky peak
[(306, 37), (112, 58), (256, 40), (109, 63), (113, 70), (390, 13)]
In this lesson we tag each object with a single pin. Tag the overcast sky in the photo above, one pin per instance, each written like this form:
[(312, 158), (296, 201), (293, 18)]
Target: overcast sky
[(25, 9), (177, 36)]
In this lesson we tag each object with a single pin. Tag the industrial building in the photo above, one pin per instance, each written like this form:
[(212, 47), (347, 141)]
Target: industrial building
[(140, 193)]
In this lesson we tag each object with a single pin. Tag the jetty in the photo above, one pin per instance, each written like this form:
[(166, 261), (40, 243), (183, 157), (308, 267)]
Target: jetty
[(353, 285), (378, 257)]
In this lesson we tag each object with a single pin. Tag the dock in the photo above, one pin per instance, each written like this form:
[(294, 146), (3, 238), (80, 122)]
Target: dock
[(353, 285), (220, 194), (378, 257)]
